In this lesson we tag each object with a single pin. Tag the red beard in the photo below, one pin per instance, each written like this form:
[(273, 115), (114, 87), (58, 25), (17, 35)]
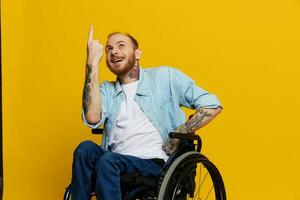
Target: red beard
[(121, 71)]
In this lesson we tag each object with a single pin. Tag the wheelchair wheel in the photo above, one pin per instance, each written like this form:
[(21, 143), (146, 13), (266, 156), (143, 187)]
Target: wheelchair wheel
[(67, 195), (192, 176)]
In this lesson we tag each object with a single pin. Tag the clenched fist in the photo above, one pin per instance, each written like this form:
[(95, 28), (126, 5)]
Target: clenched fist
[(94, 50)]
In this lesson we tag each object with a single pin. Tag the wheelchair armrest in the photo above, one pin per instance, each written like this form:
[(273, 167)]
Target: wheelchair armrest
[(97, 130), (187, 136)]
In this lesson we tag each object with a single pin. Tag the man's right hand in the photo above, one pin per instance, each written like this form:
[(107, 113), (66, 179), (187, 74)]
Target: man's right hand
[(91, 100), (94, 50)]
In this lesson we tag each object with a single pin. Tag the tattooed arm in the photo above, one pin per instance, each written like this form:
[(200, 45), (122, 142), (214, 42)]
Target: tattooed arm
[(192, 96), (201, 117), (91, 100)]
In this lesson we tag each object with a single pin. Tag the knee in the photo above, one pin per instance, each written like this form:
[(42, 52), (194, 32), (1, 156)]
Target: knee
[(84, 148), (106, 161), (108, 158)]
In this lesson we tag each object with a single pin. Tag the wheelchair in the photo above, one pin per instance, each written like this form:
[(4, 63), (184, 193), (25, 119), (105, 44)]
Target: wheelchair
[(186, 175)]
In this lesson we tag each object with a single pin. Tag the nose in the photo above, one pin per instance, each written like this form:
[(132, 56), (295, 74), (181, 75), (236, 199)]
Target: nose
[(114, 51)]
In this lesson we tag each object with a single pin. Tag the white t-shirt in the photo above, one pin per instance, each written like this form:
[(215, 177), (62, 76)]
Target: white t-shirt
[(133, 133)]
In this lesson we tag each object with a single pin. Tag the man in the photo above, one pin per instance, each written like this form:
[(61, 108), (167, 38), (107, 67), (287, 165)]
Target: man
[(138, 111)]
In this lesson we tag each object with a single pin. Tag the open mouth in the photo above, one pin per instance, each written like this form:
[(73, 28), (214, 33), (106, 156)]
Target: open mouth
[(117, 60)]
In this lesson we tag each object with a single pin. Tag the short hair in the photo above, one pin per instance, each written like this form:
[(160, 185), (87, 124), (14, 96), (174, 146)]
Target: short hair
[(133, 40)]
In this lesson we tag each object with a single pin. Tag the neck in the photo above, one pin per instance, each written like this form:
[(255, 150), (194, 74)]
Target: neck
[(131, 76)]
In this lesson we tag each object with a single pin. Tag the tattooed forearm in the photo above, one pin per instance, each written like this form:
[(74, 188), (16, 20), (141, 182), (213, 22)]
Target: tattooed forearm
[(86, 98), (200, 118)]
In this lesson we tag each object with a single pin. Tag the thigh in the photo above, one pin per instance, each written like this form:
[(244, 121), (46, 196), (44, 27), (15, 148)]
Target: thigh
[(88, 152), (128, 164)]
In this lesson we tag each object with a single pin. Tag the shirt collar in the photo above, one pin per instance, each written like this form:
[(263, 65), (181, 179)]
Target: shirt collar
[(141, 90)]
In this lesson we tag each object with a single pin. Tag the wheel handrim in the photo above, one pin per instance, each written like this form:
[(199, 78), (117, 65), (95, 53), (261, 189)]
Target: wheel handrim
[(208, 184)]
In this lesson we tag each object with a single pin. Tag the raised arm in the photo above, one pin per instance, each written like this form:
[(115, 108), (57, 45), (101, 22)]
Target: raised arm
[(91, 100)]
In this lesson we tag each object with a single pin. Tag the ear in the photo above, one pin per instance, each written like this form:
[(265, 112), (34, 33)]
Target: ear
[(138, 54)]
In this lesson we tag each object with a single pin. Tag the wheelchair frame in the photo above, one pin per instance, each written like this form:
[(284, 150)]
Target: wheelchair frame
[(181, 165)]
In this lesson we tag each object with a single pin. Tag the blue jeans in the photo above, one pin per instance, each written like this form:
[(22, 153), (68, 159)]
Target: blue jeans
[(99, 170)]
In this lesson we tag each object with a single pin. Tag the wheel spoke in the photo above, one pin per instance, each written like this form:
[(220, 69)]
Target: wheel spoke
[(198, 191), (209, 192), (203, 179)]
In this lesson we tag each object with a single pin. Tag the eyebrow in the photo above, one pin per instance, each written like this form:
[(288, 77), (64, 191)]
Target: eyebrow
[(116, 43), (120, 41)]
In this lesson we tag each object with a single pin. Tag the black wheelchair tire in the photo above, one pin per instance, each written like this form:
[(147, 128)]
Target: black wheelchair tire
[(187, 159)]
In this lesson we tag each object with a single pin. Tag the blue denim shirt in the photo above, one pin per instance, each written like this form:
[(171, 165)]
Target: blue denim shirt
[(160, 94)]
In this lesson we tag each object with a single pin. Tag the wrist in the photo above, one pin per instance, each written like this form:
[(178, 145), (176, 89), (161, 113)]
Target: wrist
[(92, 67), (93, 62)]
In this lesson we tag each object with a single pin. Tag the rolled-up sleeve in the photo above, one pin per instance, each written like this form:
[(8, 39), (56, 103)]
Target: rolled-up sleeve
[(103, 109), (190, 95)]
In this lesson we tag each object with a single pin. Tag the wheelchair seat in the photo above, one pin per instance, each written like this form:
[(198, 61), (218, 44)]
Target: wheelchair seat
[(135, 185)]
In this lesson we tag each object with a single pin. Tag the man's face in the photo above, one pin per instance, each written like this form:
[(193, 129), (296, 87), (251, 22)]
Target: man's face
[(120, 54)]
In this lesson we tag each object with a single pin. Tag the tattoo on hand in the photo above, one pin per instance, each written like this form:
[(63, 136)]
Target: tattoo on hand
[(170, 145), (86, 98)]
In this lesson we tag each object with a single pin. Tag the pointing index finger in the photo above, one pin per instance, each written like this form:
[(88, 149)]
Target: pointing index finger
[(91, 32)]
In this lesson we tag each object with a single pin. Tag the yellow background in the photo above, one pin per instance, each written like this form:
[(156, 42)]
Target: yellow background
[(246, 52)]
